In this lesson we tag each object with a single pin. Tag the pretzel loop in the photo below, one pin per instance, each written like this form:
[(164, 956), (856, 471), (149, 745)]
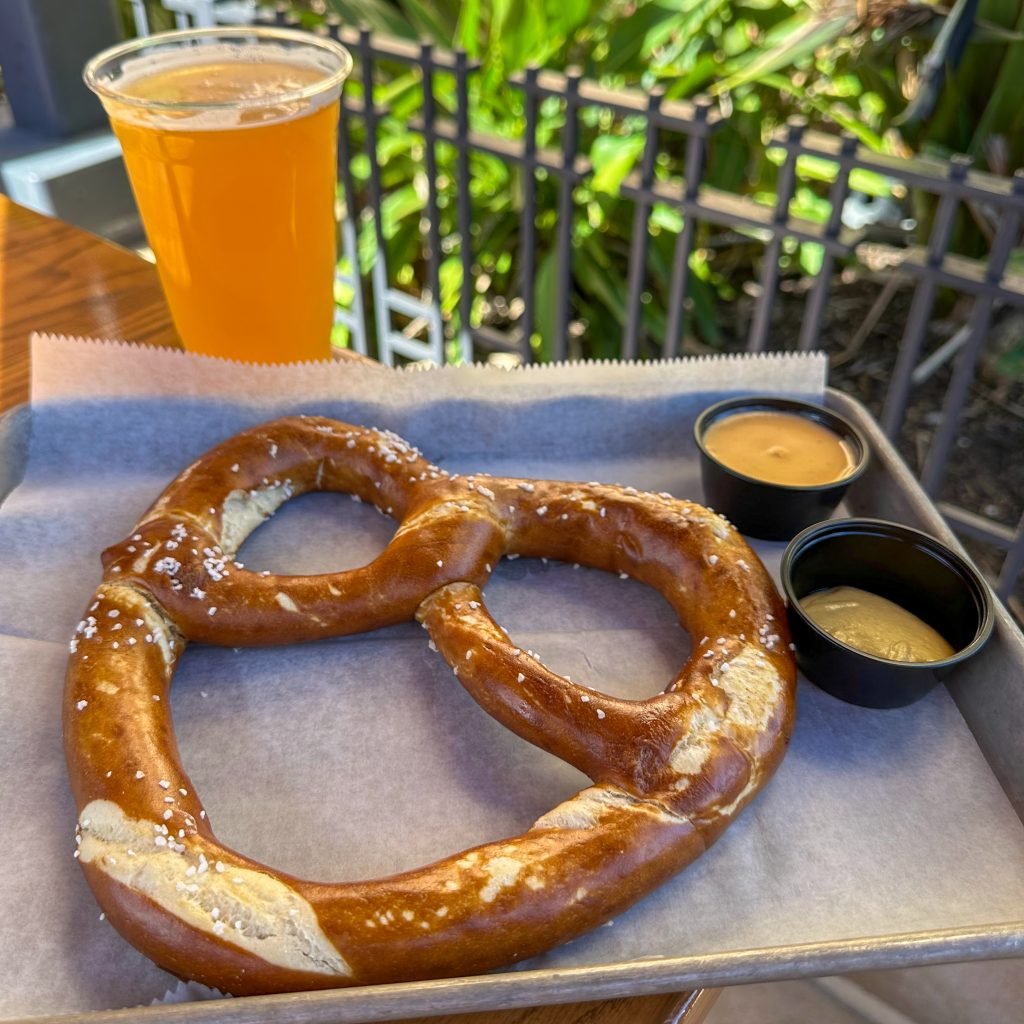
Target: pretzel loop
[(669, 773)]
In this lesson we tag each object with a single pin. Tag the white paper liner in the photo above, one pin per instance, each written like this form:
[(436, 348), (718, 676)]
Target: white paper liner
[(188, 992)]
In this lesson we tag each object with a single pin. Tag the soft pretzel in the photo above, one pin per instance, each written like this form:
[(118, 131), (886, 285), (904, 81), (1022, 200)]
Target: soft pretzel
[(669, 773)]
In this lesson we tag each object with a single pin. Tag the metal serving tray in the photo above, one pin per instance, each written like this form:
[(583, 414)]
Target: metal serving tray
[(792, 897)]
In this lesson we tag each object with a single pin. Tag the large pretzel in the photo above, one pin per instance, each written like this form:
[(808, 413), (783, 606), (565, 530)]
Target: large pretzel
[(669, 773)]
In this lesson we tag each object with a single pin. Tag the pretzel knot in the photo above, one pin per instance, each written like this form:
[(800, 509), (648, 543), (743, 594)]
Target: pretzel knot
[(669, 773)]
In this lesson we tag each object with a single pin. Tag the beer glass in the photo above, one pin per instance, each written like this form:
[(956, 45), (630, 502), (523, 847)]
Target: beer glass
[(230, 140)]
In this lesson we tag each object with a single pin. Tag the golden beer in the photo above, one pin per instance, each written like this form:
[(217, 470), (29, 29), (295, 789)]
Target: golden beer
[(230, 140)]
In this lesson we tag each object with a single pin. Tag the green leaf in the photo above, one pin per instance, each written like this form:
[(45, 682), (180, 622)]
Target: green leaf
[(613, 157), (344, 293), (817, 168), (729, 160), (500, 10), (627, 38), (735, 40), (565, 17), (366, 245), (667, 218), (360, 167), (660, 33), (394, 142), (1003, 114), (429, 21), (378, 14), (522, 35), (810, 206), (703, 71), (467, 32), (398, 205), (598, 275), (989, 32), (340, 336), (1011, 362), (847, 86), (545, 289), (385, 95), (450, 277), (802, 38), (838, 112), (812, 258), (873, 105), (703, 315)]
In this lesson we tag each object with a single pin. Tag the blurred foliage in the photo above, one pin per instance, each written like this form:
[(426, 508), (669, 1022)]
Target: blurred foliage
[(902, 77), (158, 18)]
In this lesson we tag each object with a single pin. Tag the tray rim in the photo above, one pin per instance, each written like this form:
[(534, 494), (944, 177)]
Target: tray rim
[(552, 986)]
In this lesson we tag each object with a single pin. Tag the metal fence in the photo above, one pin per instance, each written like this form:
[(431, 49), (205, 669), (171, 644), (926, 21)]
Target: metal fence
[(406, 323)]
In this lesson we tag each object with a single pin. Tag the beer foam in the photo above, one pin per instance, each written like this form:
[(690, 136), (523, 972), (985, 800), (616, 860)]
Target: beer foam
[(220, 86)]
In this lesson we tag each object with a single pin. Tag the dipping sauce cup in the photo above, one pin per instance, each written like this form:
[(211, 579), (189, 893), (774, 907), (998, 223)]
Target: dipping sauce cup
[(909, 568), (785, 439)]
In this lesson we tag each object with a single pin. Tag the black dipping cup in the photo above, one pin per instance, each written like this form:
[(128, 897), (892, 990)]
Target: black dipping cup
[(909, 568), (766, 510)]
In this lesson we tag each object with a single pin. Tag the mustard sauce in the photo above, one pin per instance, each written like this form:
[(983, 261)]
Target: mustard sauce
[(875, 625), (780, 448)]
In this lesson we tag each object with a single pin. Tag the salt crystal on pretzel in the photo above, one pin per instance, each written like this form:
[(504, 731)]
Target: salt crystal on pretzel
[(669, 773)]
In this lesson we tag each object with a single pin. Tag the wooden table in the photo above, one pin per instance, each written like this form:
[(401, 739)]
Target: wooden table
[(56, 278)]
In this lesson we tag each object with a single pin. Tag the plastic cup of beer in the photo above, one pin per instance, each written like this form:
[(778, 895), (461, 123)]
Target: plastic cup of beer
[(230, 139)]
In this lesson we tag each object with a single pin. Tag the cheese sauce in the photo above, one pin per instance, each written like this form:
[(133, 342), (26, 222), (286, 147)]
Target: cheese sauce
[(875, 625), (780, 448)]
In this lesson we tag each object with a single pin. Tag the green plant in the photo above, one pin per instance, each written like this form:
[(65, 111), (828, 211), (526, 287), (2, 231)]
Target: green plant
[(158, 18), (902, 77), (635, 45)]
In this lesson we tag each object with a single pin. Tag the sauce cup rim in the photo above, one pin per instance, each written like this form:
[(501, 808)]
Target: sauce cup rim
[(796, 407)]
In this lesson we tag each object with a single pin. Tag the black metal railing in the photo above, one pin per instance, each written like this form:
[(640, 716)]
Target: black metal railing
[(406, 321)]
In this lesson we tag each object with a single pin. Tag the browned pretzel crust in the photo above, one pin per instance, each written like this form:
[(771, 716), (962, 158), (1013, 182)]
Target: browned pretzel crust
[(669, 773)]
